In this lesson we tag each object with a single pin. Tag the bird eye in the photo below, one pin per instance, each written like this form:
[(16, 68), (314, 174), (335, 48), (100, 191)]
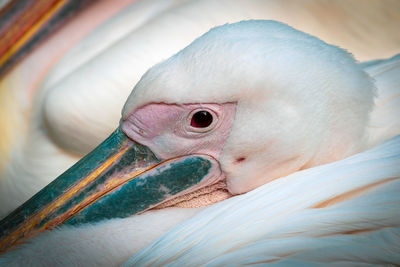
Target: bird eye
[(201, 119)]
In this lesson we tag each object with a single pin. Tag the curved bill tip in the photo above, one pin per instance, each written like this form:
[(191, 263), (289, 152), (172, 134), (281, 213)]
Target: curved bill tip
[(117, 179)]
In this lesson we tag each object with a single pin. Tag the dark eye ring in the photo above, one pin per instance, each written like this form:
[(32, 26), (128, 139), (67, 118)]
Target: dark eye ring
[(201, 119)]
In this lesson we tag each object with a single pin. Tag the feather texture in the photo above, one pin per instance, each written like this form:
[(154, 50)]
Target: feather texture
[(90, 83), (346, 212), (283, 222)]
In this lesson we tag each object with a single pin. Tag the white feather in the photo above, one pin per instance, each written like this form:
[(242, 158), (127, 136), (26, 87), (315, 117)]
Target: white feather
[(385, 122), (286, 231), (278, 222), (89, 85), (108, 243), (275, 223)]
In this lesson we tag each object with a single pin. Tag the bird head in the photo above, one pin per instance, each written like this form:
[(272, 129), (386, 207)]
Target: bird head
[(262, 98), (245, 103)]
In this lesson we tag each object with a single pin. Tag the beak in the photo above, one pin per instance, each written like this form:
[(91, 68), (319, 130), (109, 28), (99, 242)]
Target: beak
[(117, 179)]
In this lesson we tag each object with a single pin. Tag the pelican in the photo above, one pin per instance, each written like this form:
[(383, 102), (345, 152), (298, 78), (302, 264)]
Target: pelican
[(277, 113), (95, 59)]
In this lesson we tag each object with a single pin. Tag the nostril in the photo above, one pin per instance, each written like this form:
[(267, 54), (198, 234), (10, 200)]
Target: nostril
[(239, 160)]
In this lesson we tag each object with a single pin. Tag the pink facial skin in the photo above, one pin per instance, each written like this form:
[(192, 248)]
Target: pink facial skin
[(166, 128)]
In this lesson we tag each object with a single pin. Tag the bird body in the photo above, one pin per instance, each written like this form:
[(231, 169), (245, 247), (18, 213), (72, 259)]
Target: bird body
[(345, 212), (383, 123), (285, 102), (38, 145)]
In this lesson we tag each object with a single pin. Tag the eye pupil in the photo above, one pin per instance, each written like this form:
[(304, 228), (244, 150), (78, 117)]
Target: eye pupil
[(201, 119)]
